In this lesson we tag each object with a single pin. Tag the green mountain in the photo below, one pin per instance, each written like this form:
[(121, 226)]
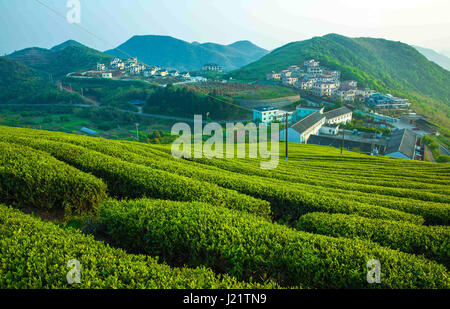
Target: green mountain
[(385, 66), (173, 53), (69, 43), (434, 56), (67, 57), (21, 84)]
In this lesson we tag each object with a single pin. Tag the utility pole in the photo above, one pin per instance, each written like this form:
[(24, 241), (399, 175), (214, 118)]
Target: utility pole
[(137, 131), (343, 140), (81, 91), (287, 136)]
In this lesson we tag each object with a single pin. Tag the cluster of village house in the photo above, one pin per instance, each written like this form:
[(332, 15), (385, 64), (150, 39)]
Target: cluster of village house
[(325, 83), (311, 125), (131, 67)]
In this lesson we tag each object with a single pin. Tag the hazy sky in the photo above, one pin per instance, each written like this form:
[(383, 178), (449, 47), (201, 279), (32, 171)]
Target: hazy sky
[(267, 23)]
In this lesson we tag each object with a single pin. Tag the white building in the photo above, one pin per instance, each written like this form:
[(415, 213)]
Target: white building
[(330, 129), (106, 75), (101, 67), (303, 129), (339, 115), (185, 75), (269, 114), (273, 76), (212, 67), (289, 81), (324, 89)]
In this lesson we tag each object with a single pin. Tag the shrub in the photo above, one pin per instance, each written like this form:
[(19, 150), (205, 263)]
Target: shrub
[(288, 204), (35, 254), (33, 178), (127, 180), (431, 241), (246, 246)]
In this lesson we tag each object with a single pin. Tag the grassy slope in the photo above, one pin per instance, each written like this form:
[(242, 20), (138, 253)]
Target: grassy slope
[(383, 65)]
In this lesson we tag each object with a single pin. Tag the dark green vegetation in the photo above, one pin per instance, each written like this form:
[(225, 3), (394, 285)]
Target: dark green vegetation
[(35, 254), (186, 103), (233, 217), (431, 241), (114, 93), (65, 58), (166, 51), (22, 85), (386, 66)]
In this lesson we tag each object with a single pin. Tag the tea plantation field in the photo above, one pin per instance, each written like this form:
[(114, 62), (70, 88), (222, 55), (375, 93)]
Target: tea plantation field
[(136, 217)]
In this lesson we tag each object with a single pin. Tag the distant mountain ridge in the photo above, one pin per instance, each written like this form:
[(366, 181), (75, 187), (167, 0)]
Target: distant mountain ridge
[(70, 56), (434, 56), (177, 54)]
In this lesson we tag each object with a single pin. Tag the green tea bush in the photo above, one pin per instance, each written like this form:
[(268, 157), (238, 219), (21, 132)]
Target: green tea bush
[(128, 180), (288, 204), (35, 254), (431, 241), (246, 246), (35, 179)]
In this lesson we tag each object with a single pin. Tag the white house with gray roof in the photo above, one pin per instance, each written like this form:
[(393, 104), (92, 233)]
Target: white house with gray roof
[(303, 129), (339, 115)]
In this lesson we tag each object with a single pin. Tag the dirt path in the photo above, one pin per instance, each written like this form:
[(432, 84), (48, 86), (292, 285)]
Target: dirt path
[(429, 155)]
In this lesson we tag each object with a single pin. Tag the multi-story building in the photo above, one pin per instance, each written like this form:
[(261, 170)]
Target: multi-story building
[(349, 84), (312, 67), (273, 76), (387, 101), (289, 81), (269, 114), (324, 89), (344, 94), (304, 84), (212, 67), (101, 67)]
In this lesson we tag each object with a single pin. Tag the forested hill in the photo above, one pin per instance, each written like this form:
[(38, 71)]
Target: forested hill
[(386, 66), (177, 54), (21, 84), (67, 57)]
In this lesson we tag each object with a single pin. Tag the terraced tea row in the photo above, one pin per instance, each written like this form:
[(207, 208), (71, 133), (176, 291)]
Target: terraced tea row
[(35, 254), (246, 246)]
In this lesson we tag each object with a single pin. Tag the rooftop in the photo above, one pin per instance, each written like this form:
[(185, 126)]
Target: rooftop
[(337, 112), (403, 141), (307, 122)]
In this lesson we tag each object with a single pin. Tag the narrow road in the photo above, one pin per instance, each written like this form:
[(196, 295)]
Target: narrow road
[(444, 150)]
